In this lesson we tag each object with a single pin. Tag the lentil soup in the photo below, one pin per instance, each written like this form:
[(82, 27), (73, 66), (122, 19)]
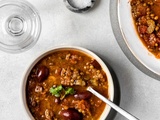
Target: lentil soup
[(146, 16), (56, 87)]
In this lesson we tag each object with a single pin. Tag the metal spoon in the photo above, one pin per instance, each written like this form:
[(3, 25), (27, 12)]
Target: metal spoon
[(111, 104)]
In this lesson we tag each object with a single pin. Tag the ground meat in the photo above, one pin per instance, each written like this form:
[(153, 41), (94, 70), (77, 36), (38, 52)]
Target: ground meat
[(142, 20), (152, 40), (82, 106), (141, 10), (142, 29)]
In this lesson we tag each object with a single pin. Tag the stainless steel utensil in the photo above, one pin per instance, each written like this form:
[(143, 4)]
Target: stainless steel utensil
[(111, 104)]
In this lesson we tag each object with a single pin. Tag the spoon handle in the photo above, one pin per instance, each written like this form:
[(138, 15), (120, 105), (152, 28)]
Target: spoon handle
[(111, 104)]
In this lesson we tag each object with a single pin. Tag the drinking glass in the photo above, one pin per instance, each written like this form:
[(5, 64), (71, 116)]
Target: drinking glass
[(20, 25)]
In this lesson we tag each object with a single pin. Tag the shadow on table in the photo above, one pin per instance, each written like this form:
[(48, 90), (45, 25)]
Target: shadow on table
[(117, 94)]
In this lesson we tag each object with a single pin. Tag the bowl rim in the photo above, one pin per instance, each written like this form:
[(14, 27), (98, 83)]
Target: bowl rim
[(80, 49), (121, 40)]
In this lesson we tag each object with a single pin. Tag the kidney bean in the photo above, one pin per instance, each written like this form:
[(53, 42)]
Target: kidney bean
[(70, 114), (83, 96), (42, 73), (96, 64)]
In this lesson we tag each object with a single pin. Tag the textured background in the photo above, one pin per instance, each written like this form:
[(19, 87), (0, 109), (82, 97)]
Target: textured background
[(140, 94)]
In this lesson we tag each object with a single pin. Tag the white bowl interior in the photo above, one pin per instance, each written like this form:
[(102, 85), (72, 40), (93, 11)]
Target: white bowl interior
[(132, 39), (83, 50)]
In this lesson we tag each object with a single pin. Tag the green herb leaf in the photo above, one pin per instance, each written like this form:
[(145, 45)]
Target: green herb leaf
[(69, 91), (59, 91), (59, 88), (56, 91)]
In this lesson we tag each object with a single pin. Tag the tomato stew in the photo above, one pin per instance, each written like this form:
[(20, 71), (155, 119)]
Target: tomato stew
[(146, 15), (56, 87)]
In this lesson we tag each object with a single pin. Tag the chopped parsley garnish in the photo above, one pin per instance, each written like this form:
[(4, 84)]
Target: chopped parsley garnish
[(69, 91), (61, 92), (56, 91)]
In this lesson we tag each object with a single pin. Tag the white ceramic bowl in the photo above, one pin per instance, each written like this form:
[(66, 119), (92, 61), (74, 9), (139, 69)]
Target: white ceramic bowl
[(83, 50), (129, 41)]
